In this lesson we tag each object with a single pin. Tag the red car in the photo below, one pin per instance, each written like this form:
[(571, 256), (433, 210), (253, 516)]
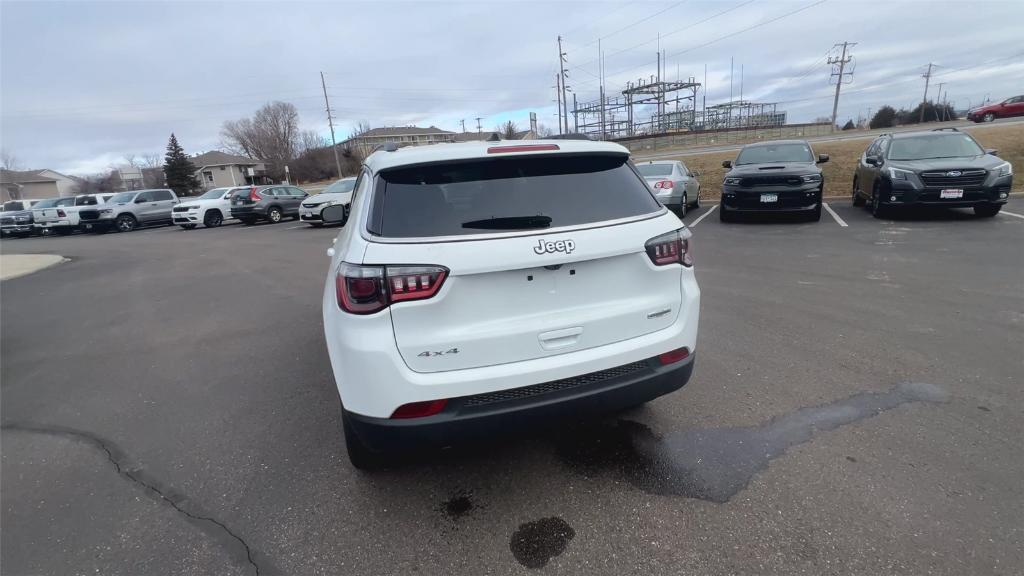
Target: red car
[(1009, 107)]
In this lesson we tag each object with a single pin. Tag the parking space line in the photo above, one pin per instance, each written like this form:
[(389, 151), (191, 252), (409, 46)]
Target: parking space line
[(296, 227), (835, 216), (703, 216), (1011, 214)]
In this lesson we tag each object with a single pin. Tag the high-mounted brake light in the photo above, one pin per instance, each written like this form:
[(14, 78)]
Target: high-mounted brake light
[(522, 148), (254, 195), (671, 248), (370, 289), (419, 409), (664, 184)]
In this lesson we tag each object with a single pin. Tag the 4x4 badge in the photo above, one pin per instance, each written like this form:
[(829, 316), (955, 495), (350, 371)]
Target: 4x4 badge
[(543, 247)]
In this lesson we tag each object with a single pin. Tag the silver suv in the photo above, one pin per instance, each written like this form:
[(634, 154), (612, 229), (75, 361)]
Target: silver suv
[(126, 211), (270, 203)]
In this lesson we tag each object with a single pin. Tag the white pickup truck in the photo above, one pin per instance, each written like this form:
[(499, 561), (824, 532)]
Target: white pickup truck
[(60, 215)]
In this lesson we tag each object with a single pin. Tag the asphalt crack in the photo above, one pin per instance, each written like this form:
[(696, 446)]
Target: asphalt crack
[(118, 457)]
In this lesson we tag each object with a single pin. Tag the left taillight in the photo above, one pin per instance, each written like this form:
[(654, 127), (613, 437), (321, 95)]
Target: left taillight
[(664, 185), (370, 289), (671, 248)]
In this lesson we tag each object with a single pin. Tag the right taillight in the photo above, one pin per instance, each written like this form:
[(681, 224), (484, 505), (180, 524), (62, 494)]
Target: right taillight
[(671, 248), (369, 289), (254, 195)]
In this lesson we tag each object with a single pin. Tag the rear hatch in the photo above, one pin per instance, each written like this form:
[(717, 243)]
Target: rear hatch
[(546, 256)]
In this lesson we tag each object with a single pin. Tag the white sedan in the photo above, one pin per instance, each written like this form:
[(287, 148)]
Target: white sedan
[(311, 210), (210, 209)]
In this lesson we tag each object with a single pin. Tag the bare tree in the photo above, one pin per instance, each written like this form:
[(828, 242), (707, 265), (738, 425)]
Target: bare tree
[(312, 140), (272, 135), (507, 130), (152, 161), (8, 161), (132, 160), (543, 131), (361, 127)]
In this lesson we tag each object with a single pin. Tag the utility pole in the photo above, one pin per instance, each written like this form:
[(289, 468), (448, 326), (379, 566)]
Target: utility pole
[(575, 116), (927, 78), (558, 102), (478, 127), (842, 61), (564, 76), (600, 54), (939, 100), (330, 122), (463, 122)]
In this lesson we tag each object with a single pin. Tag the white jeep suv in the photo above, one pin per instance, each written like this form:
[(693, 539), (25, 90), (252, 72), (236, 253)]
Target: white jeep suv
[(481, 286), (211, 209)]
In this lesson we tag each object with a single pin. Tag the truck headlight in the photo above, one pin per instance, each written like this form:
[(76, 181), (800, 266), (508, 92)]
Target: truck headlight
[(733, 181), (811, 177), (899, 174), (1004, 169)]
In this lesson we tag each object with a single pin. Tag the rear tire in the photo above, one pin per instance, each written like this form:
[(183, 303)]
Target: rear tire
[(359, 454), (213, 219), (987, 211), (683, 206), (988, 117)]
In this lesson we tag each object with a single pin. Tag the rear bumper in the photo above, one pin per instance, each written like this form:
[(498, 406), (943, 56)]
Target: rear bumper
[(243, 213), (54, 224), (519, 409)]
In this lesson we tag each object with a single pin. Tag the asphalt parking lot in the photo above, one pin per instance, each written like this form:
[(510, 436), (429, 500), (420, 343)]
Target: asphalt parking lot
[(168, 408)]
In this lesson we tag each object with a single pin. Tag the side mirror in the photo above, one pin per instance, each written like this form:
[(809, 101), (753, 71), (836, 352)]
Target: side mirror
[(822, 158), (727, 164), (992, 151), (873, 160), (334, 214)]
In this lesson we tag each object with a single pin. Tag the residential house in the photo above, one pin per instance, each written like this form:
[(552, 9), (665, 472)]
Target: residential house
[(493, 135), (35, 184), (219, 169), (366, 142)]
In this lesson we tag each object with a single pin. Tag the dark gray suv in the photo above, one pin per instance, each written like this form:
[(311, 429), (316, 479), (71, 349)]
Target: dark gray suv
[(270, 203)]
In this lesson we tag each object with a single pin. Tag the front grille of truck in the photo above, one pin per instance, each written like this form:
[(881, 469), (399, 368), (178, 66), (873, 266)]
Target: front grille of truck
[(180, 209), (6, 221), (556, 385), (88, 215), (966, 179), (773, 180)]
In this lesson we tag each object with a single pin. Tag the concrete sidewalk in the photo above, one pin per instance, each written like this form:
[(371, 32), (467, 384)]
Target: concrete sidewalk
[(15, 265)]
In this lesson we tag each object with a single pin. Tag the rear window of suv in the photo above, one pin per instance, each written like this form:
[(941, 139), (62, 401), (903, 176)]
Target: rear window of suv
[(508, 194)]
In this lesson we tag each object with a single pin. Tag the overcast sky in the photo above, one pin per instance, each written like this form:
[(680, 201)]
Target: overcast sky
[(84, 83)]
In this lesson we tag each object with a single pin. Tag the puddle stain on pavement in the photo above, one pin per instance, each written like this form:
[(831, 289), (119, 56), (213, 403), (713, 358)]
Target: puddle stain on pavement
[(535, 543), (715, 464)]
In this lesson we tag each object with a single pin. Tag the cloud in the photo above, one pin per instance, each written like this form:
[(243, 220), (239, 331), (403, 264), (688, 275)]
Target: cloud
[(83, 83)]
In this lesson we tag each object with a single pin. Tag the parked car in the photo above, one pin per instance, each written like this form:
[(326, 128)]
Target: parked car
[(64, 216), (340, 192), (1010, 107), (270, 203), (941, 167), (673, 183), (500, 286), (774, 176), (210, 209), (16, 218), (126, 211)]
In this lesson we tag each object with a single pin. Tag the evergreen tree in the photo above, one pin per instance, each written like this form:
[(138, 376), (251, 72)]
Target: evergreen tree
[(179, 172)]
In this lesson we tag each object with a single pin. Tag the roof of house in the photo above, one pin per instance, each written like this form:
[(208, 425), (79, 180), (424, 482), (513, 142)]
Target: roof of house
[(218, 158), (401, 131), (24, 176), (474, 136), (382, 160)]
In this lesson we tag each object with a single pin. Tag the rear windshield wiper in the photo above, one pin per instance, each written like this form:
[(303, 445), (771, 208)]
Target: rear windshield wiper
[(510, 223)]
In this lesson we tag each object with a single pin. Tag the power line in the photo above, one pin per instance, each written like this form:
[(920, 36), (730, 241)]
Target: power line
[(627, 26)]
